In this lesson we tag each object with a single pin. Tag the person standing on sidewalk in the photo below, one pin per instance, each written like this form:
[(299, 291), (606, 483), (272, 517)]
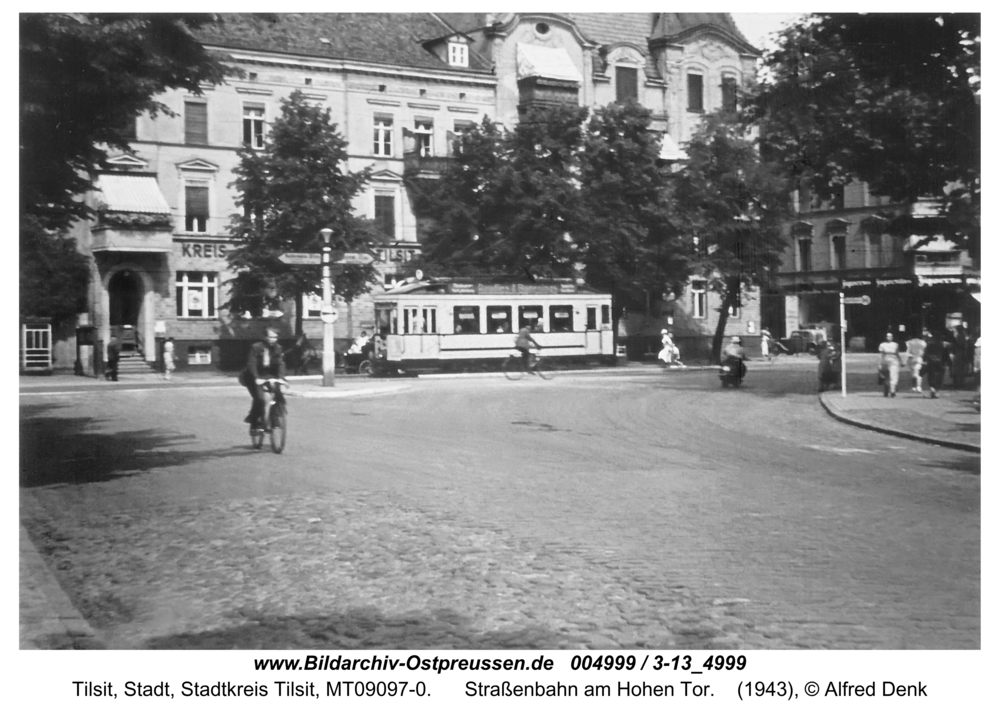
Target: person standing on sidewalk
[(889, 363), (915, 347), (114, 355), (168, 358), (935, 361)]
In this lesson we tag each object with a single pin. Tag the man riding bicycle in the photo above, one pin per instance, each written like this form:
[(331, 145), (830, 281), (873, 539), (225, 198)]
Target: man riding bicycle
[(266, 360), (525, 342)]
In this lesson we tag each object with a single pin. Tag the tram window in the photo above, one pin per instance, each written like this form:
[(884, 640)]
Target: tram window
[(467, 319), (605, 315), (529, 315), (430, 320), (560, 319), (498, 319), (591, 317)]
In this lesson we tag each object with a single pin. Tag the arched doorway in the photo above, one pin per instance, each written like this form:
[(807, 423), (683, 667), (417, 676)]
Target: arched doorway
[(124, 307)]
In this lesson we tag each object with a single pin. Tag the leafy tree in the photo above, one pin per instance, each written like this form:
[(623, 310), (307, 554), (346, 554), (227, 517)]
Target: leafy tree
[(629, 242), (735, 204), (288, 191), (84, 78), (54, 275), (893, 100), (508, 200)]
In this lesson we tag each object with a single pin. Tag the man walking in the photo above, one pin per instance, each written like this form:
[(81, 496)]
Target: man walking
[(114, 354)]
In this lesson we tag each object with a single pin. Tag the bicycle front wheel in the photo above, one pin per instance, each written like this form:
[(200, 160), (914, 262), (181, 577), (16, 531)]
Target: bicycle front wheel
[(279, 426), (365, 368), (542, 369), (512, 368)]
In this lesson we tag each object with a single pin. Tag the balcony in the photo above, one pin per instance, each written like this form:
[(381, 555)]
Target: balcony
[(424, 167), (108, 238)]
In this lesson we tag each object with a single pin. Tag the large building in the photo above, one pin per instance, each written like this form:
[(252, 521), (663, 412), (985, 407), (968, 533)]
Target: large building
[(864, 245), (398, 86)]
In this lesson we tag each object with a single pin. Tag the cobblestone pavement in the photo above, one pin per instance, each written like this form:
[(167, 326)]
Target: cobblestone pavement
[(589, 512)]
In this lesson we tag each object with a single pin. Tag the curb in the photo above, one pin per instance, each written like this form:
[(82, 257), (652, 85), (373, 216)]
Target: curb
[(898, 433)]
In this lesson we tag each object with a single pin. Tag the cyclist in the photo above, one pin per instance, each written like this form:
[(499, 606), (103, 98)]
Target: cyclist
[(524, 342), (266, 360), (734, 355)]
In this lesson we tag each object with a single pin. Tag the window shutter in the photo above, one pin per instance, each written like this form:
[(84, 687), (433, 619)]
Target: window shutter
[(195, 123)]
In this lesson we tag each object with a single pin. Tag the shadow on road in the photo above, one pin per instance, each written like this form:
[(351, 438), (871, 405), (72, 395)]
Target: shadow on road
[(73, 450), (354, 629)]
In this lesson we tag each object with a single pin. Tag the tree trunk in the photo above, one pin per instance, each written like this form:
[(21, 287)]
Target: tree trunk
[(728, 301), (298, 313)]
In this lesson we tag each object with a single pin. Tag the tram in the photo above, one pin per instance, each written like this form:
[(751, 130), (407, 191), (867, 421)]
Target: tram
[(450, 323)]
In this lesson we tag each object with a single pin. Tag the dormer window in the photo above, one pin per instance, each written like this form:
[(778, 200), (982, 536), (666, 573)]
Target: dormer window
[(458, 54)]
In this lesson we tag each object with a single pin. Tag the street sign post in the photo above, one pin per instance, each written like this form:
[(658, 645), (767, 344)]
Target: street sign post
[(858, 300), (355, 259), (300, 259), (328, 314)]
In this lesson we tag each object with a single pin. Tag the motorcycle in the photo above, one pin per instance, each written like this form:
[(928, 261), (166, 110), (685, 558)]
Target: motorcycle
[(732, 371)]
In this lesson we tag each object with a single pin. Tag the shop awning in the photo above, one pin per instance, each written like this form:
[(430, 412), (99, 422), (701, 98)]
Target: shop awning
[(547, 62), (132, 193)]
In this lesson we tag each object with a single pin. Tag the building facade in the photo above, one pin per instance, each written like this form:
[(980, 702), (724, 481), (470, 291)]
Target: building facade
[(864, 245), (398, 86)]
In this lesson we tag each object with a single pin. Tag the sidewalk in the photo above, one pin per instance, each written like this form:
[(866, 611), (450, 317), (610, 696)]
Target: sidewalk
[(952, 420)]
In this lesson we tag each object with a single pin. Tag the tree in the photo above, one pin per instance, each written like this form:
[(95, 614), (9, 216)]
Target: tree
[(288, 191), (507, 201), (629, 242), (84, 79), (53, 275), (892, 100), (735, 204)]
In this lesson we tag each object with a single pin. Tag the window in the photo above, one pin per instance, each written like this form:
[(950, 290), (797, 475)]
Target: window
[(196, 208), (197, 294), (498, 319), (734, 311), (699, 299), (626, 84), (729, 102), (529, 315), (424, 133), (805, 255), (253, 125), (195, 123), (875, 244), (385, 214), (696, 101), (458, 54), (383, 136), (591, 317), (418, 320), (455, 140), (839, 252), (127, 129), (466, 319), (200, 355), (606, 315), (561, 319)]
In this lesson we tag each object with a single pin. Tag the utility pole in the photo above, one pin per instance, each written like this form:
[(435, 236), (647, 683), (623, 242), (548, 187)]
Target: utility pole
[(329, 360), (843, 347)]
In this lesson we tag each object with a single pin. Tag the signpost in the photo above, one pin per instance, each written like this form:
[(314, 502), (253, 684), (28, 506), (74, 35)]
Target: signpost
[(844, 301), (355, 259), (300, 259), (857, 300), (328, 314)]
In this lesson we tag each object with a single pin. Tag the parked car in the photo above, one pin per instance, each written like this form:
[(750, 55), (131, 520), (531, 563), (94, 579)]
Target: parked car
[(804, 341)]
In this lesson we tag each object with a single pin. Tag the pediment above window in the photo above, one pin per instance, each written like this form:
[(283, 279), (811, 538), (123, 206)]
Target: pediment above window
[(198, 165), (127, 162), (386, 175)]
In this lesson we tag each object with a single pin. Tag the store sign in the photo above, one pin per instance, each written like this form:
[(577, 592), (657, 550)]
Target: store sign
[(204, 250)]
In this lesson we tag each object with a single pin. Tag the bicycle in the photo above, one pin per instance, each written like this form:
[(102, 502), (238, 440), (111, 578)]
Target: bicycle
[(513, 366), (275, 417)]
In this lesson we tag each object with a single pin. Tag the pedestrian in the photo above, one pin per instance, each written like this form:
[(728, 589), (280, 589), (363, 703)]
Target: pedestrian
[(114, 354), (935, 361), (765, 345), (168, 358), (915, 347), (666, 354), (889, 363), (829, 364)]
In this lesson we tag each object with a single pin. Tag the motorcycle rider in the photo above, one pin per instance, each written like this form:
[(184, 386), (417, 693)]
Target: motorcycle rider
[(734, 355)]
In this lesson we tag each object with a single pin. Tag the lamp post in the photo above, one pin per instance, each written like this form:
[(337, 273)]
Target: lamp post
[(329, 361)]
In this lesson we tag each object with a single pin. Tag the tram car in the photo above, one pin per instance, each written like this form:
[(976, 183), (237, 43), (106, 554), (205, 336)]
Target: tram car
[(454, 324)]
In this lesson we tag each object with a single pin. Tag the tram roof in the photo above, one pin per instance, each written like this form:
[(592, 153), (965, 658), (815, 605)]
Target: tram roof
[(478, 286)]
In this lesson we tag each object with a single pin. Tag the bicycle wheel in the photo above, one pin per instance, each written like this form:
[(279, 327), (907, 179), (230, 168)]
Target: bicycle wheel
[(365, 368), (512, 368), (279, 426), (542, 369)]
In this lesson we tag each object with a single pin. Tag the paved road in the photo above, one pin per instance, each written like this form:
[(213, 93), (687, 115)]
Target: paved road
[(596, 510)]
